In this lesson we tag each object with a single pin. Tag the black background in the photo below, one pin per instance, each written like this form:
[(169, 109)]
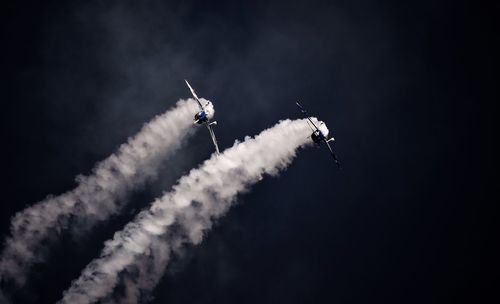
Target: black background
[(407, 89)]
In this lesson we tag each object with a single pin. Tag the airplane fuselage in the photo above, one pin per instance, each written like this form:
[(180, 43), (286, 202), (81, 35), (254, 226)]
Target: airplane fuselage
[(317, 137), (201, 117)]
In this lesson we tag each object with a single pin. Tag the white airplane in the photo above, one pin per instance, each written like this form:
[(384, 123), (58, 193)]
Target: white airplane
[(204, 116), (318, 136)]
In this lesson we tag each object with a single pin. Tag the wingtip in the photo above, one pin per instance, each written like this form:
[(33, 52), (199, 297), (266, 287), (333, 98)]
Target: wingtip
[(301, 108)]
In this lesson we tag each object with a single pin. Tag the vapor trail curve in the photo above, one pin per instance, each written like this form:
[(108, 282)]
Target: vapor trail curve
[(98, 195), (137, 256)]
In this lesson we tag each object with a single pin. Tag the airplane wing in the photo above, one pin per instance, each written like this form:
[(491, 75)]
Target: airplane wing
[(194, 95), (214, 139), (301, 108), (333, 154), (305, 113), (312, 129)]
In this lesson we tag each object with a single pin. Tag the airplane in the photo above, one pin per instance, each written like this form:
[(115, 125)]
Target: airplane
[(318, 136), (203, 117)]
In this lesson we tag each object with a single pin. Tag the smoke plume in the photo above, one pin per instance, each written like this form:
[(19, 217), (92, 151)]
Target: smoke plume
[(99, 195), (137, 256)]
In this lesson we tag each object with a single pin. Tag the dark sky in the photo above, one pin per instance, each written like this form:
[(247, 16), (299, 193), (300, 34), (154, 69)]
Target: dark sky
[(407, 89)]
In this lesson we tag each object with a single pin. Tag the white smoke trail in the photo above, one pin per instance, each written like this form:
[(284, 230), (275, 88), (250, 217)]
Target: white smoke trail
[(98, 195), (139, 254)]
